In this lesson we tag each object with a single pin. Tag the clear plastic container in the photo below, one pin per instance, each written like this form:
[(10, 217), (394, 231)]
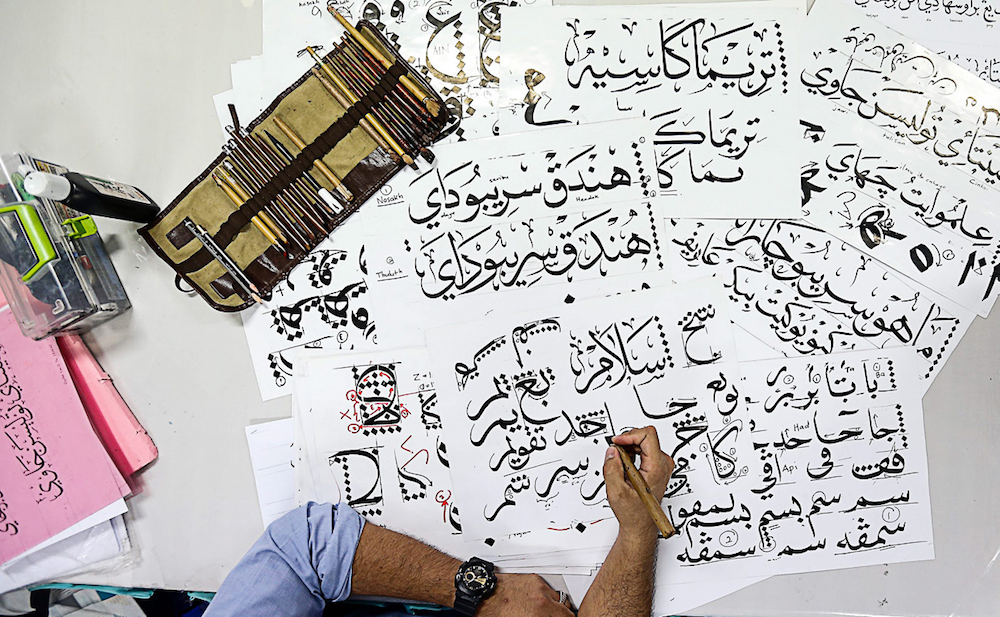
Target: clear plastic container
[(54, 269)]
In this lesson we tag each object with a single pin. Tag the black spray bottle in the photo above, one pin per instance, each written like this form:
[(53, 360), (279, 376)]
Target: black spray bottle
[(92, 195)]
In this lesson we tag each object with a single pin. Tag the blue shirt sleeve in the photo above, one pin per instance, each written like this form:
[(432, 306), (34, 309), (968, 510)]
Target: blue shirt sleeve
[(303, 560)]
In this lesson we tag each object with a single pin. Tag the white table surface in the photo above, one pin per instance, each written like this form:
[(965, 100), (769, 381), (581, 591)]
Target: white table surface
[(123, 89)]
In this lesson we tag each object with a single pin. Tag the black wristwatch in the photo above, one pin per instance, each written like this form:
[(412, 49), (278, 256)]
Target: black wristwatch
[(474, 581)]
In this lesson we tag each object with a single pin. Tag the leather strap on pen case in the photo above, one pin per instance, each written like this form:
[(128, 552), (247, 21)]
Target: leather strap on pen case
[(323, 144)]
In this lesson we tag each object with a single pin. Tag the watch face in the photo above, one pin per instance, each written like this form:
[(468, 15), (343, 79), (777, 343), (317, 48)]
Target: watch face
[(476, 579)]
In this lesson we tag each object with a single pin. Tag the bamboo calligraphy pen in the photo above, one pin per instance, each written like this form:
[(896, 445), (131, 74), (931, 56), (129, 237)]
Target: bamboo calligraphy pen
[(640, 486), (432, 106)]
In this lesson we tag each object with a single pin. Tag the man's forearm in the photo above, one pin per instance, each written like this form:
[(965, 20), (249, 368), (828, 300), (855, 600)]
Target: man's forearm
[(624, 585), (397, 566)]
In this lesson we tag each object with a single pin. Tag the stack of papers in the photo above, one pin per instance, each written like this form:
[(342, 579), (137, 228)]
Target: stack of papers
[(63, 496), (761, 232)]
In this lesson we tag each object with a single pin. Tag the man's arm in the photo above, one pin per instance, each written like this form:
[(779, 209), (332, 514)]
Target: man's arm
[(624, 585), (321, 552), (302, 560), (397, 566)]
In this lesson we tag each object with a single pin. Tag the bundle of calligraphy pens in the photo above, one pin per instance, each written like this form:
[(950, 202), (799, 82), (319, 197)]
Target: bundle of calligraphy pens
[(286, 180)]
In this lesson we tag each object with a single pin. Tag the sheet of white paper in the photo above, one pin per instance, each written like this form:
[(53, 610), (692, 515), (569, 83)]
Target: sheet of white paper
[(272, 453), (671, 599), (803, 292), (713, 82), (965, 33), (859, 68), (840, 471), (536, 395), (104, 514), (222, 101), (534, 219), (897, 204), (288, 27), (305, 470), (102, 541), (247, 78), (372, 428), (324, 303)]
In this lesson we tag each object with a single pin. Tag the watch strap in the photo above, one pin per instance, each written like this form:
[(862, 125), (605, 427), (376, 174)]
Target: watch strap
[(466, 604)]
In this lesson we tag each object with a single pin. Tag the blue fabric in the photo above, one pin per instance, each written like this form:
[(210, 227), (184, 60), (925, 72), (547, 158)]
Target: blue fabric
[(302, 561)]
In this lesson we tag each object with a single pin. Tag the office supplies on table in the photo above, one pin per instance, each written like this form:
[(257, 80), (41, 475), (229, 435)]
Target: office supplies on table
[(92, 195), (55, 270), (258, 202)]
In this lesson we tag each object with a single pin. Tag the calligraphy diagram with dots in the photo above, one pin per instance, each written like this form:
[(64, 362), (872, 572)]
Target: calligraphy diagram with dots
[(715, 95), (325, 303), (539, 401), (803, 292), (373, 420), (520, 217), (838, 471), (914, 215)]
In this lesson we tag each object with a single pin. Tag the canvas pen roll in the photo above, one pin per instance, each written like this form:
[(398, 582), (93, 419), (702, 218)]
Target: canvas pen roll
[(365, 124), (243, 184), (255, 179), (400, 123), (394, 125), (286, 155), (296, 203), (293, 198), (224, 259), (432, 106), (361, 55), (337, 183), (291, 228), (320, 211), (342, 87), (370, 75), (239, 195), (266, 228), (283, 157)]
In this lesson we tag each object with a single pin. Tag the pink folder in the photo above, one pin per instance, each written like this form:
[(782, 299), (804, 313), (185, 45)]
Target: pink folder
[(127, 442), (54, 471)]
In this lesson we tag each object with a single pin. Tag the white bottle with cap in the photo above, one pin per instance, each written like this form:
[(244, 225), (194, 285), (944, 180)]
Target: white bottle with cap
[(92, 195)]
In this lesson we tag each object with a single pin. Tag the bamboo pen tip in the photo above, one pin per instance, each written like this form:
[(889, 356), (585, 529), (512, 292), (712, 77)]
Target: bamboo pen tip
[(336, 14), (345, 193)]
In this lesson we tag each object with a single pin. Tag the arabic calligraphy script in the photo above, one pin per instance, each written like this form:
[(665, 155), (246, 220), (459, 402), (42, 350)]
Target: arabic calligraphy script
[(986, 11), (26, 445), (593, 244), (910, 92), (803, 292), (530, 183), (692, 56)]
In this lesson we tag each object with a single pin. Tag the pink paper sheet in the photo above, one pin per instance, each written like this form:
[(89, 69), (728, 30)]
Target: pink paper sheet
[(126, 441), (54, 471)]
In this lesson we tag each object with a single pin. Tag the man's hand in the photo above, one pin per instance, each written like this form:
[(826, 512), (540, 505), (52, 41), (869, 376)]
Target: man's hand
[(655, 467), (523, 595)]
